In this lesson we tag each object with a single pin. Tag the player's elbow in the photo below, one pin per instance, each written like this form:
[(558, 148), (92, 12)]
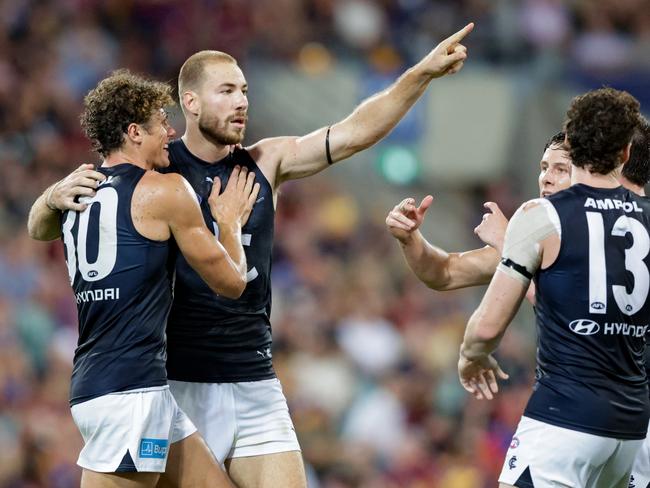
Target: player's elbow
[(39, 234), (486, 333), (439, 279), (441, 285), (360, 143), (234, 289)]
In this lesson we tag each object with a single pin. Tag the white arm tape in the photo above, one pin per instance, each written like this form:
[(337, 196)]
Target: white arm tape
[(534, 221)]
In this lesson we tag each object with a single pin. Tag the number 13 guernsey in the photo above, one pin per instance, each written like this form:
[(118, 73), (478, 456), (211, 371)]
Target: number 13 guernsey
[(593, 314)]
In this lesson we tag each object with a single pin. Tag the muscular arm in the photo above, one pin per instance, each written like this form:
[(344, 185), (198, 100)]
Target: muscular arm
[(488, 323), (286, 158), (531, 242), (44, 222), (441, 270), (178, 208), (437, 268)]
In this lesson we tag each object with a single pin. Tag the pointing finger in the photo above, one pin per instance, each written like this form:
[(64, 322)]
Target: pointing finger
[(458, 36)]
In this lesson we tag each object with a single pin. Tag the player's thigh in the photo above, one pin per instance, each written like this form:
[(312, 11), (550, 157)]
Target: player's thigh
[(191, 464), (211, 407), (616, 473), (92, 479), (641, 468), (278, 470)]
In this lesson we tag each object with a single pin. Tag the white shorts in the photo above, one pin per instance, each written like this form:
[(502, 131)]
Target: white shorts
[(542, 455), (239, 419), (130, 431), (641, 469)]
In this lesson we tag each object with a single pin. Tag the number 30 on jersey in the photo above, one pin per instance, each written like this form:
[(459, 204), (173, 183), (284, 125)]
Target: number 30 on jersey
[(77, 250)]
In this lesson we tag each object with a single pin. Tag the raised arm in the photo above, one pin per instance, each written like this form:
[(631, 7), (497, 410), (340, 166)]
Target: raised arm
[(174, 204), (434, 266), (531, 242), (286, 158), (44, 221)]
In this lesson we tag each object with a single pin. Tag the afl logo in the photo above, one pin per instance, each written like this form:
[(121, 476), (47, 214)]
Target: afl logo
[(584, 327), (598, 306), (92, 273)]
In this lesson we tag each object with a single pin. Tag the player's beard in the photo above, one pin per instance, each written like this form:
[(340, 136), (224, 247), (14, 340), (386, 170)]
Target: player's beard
[(217, 133)]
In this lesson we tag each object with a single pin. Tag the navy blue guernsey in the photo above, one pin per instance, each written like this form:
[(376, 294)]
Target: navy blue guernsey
[(213, 339), (592, 315), (122, 285)]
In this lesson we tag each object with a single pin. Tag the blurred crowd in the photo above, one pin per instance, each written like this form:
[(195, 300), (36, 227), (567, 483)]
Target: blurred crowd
[(367, 354)]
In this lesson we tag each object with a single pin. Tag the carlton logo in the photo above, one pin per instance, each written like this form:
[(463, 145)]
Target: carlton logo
[(584, 327)]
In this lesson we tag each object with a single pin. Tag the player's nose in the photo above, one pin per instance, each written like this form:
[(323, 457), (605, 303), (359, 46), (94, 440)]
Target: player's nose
[(242, 102), (548, 179)]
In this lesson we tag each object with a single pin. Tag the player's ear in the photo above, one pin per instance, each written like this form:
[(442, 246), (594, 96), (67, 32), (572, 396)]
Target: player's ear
[(134, 132), (190, 101)]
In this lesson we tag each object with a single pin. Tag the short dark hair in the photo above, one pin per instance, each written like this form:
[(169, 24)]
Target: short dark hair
[(637, 169), (556, 140), (121, 99), (599, 126)]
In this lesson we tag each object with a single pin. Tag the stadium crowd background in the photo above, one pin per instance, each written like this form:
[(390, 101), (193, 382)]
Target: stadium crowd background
[(367, 355)]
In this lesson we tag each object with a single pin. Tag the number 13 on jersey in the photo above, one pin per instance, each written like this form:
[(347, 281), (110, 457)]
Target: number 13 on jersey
[(628, 303)]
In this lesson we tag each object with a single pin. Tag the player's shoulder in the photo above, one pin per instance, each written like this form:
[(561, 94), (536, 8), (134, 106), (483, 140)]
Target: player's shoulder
[(268, 153), (532, 204), (269, 147), (535, 215), (164, 189)]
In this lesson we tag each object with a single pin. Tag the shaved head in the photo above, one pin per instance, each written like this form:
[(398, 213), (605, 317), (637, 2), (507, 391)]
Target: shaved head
[(191, 74)]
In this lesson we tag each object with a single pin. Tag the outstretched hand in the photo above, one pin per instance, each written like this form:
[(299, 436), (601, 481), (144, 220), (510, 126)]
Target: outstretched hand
[(235, 204), (479, 376), (448, 57), (492, 228), (82, 182), (405, 218)]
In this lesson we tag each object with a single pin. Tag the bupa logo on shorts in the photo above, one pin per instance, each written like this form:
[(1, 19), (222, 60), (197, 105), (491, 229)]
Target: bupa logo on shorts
[(154, 448), (514, 444), (584, 327)]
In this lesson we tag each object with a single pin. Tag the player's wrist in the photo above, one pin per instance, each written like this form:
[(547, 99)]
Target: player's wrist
[(421, 73), (232, 226), (49, 201), (406, 240), (471, 354)]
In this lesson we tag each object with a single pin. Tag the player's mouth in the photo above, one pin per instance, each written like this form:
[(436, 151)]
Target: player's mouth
[(546, 193), (239, 121)]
